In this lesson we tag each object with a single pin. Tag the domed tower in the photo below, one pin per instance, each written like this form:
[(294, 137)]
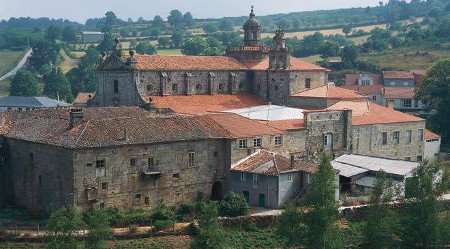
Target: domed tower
[(252, 31), (279, 57)]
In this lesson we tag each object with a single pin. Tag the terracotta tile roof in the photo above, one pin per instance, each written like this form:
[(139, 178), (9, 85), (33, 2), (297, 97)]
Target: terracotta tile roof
[(83, 97), (351, 79), (241, 127), (430, 135), (105, 127), (367, 89), (269, 163), (286, 125), (178, 62), (418, 71), (399, 92), (330, 92), (398, 75), (367, 113), (295, 65), (200, 104)]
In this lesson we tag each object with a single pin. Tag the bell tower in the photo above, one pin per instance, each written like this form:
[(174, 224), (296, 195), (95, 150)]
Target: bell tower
[(252, 31), (279, 57)]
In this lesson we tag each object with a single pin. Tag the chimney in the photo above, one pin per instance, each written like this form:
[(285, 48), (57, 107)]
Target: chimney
[(390, 103), (76, 117)]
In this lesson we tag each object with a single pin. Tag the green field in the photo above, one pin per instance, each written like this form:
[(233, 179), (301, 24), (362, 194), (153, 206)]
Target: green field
[(4, 87), (174, 51), (65, 62), (9, 59)]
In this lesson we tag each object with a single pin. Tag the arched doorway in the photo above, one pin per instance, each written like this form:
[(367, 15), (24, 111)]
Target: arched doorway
[(216, 193)]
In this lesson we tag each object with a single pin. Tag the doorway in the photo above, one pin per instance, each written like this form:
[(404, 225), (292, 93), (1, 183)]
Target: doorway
[(262, 200)]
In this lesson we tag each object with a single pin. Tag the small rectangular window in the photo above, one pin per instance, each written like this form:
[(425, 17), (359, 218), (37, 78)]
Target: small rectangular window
[(116, 86), (289, 177), (151, 163), (396, 137), (88, 164), (101, 205), (257, 142), (100, 163), (132, 161), (420, 134), (31, 157), (255, 180), (242, 176), (407, 103), (104, 185), (176, 175), (215, 154), (384, 137), (408, 158), (137, 198), (191, 162), (278, 140), (147, 200), (419, 158), (308, 83), (242, 143), (408, 136), (374, 97), (416, 103)]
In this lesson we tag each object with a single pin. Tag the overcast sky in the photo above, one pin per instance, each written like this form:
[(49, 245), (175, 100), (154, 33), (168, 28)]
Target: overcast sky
[(80, 10)]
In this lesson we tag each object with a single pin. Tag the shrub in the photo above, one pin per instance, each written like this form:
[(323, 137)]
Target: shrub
[(134, 217), (163, 213), (233, 205), (187, 211), (162, 224), (133, 229)]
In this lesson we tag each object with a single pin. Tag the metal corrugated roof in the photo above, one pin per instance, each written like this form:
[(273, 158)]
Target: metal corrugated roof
[(391, 166), (30, 102), (347, 170), (269, 112)]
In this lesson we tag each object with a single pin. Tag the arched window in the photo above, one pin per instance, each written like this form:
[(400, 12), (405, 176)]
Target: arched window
[(221, 86), (149, 88), (241, 87), (174, 88), (198, 87)]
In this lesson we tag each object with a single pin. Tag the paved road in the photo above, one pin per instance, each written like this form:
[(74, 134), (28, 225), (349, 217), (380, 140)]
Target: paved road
[(19, 66)]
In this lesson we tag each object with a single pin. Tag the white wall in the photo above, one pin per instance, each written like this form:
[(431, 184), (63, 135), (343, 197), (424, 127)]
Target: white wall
[(432, 146)]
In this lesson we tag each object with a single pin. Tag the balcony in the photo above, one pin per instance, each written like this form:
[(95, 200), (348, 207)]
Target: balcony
[(150, 173)]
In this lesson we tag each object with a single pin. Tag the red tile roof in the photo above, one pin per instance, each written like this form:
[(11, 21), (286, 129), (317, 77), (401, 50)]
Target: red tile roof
[(367, 113), (330, 92), (268, 163), (399, 92), (286, 125), (398, 75), (83, 97), (242, 127), (352, 79), (104, 127), (200, 104), (295, 65), (178, 62), (367, 89), (430, 135)]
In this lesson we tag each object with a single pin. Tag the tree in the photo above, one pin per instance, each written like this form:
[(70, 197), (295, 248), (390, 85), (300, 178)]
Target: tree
[(99, 228), (210, 234), (56, 85), (349, 54), (322, 214), (210, 28), (63, 225), (195, 45), (290, 227), (53, 33), (145, 47), (225, 25), (175, 18), (188, 19), (44, 53), (381, 229), (421, 224), (233, 205), (84, 77), (69, 34), (110, 18), (329, 49), (347, 29), (158, 22), (155, 33), (24, 83), (177, 38), (107, 44), (435, 90), (163, 41)]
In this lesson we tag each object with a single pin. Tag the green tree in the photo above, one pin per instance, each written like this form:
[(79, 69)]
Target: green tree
[(383, 226), (44, 53), (347, 29), (107, 44), (421, 223), (111, 18), (188, 19), (210, 232), (225, 25), (233, 205), (195, 45), (177, 38), (349, 54), (158, 22), (163, 41), (290, 227), (63, 226), (145, 47), (24, 83), (210, 28), (175, 18), (53, 33), (329, 49), (56, 85), (322, 214), (99, 229), (435, 91), (69, 34)]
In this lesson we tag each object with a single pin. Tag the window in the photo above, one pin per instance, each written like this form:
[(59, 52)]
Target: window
[(242, 143), (275, 87), (137, 198), (257, 142), (407, 103), (392, 83), (116, 86), (132, 161), (149, 88), (100, 163), (416, 103), (215, 153), (40, 180), (308, 178), (101, 205), (198, 87), (408, 136), (242, 176), (374, 97), (176, 175), (328, 141), (405, 83), (191, 161), (408, 158), (419, 158), (308, 83), (255, 180), (147, 200), (151, 162), (384, 137), (104, 185), (31, 157), (220, 86), (88, 164), (258, 87), (278, 140), (396, 137), (420, 134), (289, 177), (100, 168), (174, 88)]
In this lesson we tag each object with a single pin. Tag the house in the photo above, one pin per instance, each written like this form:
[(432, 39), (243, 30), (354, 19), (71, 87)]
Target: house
[(82, 99), (92, 36), (29, 103), (432, 145), (268, 179)]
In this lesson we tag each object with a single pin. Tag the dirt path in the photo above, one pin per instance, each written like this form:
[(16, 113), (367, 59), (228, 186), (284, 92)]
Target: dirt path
[(18, 66)]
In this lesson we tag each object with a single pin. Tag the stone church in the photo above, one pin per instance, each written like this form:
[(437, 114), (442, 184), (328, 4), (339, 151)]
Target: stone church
[(268, 72)]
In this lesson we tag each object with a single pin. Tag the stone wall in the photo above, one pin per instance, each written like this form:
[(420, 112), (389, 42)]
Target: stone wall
[(42, 175), (308, 103), (122, 183)]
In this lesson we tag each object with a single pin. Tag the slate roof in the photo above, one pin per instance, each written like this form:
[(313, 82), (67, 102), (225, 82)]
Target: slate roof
[(295, 65), (201, 104), (269, 163), (180, 62), (105, 127), (399, 92), (30, 102), (330, 92), (398, 75), (367, 113)]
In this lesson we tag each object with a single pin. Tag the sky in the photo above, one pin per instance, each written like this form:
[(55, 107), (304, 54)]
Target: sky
[(80, 10)]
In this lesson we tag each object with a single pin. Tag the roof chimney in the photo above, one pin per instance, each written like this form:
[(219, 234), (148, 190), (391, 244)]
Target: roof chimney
[(76, 117)]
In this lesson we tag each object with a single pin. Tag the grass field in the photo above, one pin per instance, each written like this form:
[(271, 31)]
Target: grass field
[(174, 51), (360, 40), (9, 59), (4, 87), (65, 62)]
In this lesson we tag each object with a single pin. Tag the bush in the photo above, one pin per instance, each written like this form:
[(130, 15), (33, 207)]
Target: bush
[(133, 229), (233, 205), (162, 224), (135, 217), (187, 211), (163, 213)]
